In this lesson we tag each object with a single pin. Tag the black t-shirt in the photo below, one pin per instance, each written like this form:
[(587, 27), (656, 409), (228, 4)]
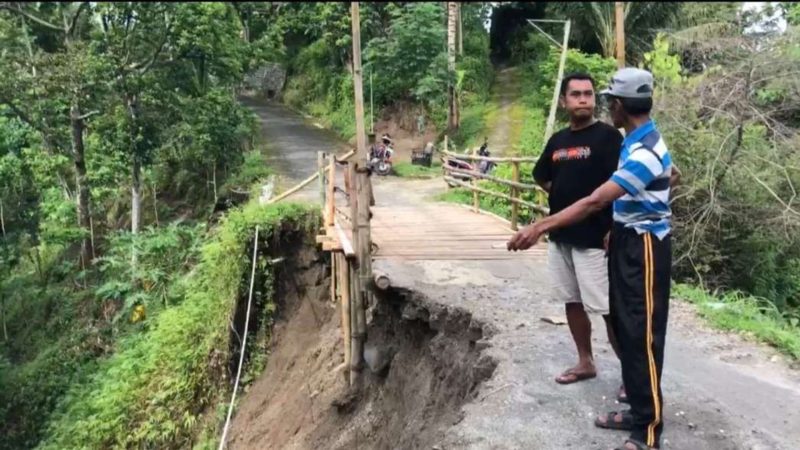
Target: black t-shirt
[(577, 163)]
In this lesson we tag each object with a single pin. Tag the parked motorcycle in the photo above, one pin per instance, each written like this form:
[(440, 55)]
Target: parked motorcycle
[(482, 166), (380, 156)]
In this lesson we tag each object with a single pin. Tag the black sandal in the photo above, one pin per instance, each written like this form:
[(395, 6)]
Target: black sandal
[(637, 444), (611, 423)]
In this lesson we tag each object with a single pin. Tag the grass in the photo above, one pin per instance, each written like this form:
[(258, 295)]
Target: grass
[(754, 317), (407, 170), (158, 388), (472, 130)]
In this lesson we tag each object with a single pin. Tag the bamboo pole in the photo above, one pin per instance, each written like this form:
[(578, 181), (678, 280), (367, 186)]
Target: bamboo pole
[(356, 354), (490, 159), (330, 205), (551, 119), (361, 134), (515, 194), (356, 343), (334, 277), (291, 191), (541, 199), (518, 185), (363, 249), (533, 206), (381, 280), (321, 177), (475, 198), (343, 273)]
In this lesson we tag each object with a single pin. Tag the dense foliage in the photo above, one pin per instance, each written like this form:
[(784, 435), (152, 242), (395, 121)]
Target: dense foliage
[(119, 127)]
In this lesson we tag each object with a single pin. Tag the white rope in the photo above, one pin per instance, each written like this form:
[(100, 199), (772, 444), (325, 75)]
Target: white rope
[(244, 344)]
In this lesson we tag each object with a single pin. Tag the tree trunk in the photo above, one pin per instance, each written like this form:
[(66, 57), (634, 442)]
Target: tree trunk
[(3, 308), (2, 219), (136, 196), (81, 182), (452, 31), (155, 203), (136, 205), (214, 181)]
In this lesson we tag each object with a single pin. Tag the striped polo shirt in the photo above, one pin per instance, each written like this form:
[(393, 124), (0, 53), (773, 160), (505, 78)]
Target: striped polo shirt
[(645, 166)]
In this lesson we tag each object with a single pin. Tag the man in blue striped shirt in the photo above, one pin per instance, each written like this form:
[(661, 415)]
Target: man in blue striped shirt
[(640, 253)]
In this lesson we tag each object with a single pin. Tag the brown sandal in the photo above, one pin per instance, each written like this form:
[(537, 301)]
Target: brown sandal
[(570, 377)]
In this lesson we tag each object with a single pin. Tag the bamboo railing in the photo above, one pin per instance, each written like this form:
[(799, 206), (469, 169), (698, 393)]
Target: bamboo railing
[(347, 236), (539, 206)]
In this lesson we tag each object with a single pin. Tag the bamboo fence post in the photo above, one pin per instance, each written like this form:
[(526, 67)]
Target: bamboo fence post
[(343, 269), (321, 178), (363, 251), (334, 277), (475, 198), (331, 196), (514, 193), (356, 350), (541, 200)]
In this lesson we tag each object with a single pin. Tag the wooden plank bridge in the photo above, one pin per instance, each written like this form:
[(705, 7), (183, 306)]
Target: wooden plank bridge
[(357, 230)]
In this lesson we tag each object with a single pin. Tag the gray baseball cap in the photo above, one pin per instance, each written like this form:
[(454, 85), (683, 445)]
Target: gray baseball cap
[(630, 83)]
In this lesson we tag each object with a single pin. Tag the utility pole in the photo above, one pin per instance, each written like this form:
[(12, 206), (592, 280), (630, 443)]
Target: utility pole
[(361, 135), (619, 10), (551, 118)]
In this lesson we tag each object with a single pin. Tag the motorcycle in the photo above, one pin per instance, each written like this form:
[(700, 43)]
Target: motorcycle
[(380, 159), (481, 166)]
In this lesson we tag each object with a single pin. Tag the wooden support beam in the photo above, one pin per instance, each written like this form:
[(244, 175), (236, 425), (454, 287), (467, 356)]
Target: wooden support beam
[(381, 280), (343, 275), (344, 242)]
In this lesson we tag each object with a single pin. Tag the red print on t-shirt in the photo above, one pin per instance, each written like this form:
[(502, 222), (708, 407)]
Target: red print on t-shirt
[(571, 153)]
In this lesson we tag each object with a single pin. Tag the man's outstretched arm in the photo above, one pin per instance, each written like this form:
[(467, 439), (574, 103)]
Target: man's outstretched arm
[(599, 199)]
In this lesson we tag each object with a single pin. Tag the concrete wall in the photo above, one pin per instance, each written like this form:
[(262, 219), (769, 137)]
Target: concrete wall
[(267, 80)]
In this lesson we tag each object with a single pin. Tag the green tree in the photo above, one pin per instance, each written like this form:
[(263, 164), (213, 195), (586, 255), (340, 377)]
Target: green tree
[(594, 24), (54, 91)]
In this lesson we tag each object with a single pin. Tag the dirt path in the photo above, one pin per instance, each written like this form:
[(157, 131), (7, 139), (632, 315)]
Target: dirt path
[(501, 126), (720, 391)]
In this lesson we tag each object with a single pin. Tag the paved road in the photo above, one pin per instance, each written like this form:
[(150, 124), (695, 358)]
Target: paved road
[(290, 141)]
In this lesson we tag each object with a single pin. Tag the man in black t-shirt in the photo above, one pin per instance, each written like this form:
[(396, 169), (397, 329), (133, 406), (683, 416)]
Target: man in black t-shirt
[(575, 162)]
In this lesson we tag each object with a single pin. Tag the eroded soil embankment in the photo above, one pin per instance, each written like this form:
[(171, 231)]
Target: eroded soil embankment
[(424, 363)]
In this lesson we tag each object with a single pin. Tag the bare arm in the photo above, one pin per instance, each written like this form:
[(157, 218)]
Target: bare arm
[(675, 178), (599, 199)]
